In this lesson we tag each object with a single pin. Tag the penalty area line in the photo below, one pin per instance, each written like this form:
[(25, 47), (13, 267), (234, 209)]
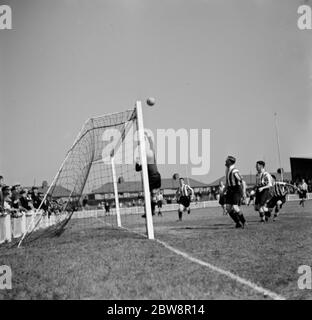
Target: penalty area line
[(229, 274)]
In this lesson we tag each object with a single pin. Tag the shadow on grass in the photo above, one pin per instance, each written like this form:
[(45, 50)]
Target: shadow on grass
[(218, 226)]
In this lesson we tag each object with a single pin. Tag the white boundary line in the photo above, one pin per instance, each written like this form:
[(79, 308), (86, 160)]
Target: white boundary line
[(255, 287), (229, 274)]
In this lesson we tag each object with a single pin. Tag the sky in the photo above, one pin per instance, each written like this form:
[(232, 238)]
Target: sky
[(222, 65)]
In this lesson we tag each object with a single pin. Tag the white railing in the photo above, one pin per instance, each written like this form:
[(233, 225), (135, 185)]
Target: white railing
[(295, 197), (15, 227), (11, 228)]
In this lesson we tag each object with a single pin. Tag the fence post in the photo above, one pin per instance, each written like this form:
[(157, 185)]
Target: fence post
[(8, 228), (23, 223)]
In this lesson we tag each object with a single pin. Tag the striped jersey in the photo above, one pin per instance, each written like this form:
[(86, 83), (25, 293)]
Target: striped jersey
[(279, 189), (184, 191), (233, 177), (263, 179)]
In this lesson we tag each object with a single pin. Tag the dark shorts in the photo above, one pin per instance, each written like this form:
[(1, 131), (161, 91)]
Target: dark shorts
[(263, 197), (154, 181), (233, 196), (273, 201), (153, 206), (159, 204), (185, 201), (303, 194), (222, 200)]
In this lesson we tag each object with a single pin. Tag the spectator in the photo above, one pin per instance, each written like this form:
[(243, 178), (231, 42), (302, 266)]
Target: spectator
[(209, 193), (36, 200), (46, 204), (7, 202), (8, 209), (1, 195), (25, 203), (16, 195)]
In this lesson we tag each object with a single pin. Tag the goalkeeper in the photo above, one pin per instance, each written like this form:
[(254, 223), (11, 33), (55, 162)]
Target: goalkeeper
[(154, 177)]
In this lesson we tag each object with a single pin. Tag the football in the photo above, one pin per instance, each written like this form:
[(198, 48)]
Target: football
[(150, 101)]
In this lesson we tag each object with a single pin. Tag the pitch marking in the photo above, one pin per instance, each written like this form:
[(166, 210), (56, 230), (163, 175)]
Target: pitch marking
[(229, 274)]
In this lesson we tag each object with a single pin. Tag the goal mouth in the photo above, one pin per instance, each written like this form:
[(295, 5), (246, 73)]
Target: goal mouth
[(98, 180)]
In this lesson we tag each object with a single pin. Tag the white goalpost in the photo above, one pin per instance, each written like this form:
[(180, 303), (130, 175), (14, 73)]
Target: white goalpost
[(147, 195), (116, 193)]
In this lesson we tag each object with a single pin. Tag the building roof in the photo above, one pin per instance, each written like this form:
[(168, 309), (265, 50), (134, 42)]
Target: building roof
[(58, 191), (136, 186), (250, 178)]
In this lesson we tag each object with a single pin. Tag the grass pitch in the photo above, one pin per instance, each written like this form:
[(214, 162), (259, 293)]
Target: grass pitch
[(93, 261)]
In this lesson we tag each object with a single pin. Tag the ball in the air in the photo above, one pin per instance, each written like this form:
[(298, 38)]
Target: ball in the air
[(150, 101)]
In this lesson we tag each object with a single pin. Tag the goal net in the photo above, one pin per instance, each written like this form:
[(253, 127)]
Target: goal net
[(97, 184)]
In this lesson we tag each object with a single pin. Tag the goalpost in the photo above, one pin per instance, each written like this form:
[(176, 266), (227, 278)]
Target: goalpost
[(99, 171), (147, 195)]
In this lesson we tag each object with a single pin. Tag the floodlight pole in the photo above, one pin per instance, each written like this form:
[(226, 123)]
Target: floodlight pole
[(278, 146), (147, 195)]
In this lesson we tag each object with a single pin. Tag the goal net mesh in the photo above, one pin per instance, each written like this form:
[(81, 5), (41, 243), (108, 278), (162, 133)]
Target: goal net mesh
[(82, 194)]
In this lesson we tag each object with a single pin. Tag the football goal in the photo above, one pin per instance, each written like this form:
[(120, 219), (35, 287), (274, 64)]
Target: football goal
[(97, 183)]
